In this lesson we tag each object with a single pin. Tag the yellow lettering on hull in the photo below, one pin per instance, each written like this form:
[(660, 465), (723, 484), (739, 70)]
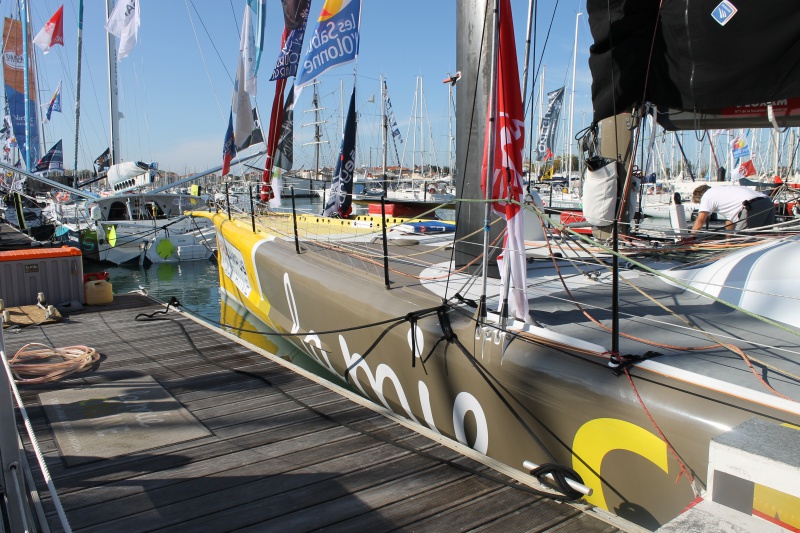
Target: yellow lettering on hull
[(600, 436)]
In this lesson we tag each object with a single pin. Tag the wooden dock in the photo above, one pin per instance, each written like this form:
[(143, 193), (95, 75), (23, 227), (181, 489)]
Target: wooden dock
[(281, 452)]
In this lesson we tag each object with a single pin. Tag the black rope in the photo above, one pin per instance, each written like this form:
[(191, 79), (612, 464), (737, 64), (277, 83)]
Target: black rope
[(353, 426), (560, 474)]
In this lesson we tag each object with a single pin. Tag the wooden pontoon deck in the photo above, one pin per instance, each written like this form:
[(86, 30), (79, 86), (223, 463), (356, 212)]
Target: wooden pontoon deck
[(283, 452)]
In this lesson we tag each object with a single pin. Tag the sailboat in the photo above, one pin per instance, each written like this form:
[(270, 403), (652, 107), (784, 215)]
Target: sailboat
[(607, 386), (134, 222)]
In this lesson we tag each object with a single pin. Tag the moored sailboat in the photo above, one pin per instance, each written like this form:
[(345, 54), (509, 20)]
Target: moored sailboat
[(618, 381)]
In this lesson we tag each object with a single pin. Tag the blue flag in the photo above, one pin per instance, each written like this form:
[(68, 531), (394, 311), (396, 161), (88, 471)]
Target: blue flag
[(228, 147), (341, 196), (295, 14), (335, 41), (54, 105)]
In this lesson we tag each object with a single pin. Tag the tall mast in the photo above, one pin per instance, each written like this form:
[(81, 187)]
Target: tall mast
[(24, 21), (113, 106), (384, 132), (572, 97), (450, 125), (317, 128), (490, 154), (78, 93)]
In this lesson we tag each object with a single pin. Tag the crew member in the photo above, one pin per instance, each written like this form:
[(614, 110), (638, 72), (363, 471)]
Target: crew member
[(742, 208)]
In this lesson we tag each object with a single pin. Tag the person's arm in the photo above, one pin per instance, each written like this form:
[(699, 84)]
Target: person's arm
[(729, 225), (700, 221)]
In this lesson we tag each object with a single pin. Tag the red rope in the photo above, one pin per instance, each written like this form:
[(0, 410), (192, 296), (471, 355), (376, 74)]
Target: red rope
[(684, 468)]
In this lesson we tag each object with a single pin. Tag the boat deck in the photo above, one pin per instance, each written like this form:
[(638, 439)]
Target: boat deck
[(276, 449)]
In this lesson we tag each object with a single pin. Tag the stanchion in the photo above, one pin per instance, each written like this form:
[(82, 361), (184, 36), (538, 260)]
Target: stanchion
[(227, 201), (385, 243), (252, 209), (294, 220)]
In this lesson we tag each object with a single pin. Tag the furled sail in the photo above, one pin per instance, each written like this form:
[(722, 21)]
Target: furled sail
[(719, 61)]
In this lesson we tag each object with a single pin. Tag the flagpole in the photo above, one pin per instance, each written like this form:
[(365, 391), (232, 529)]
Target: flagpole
[(489, 159), (78, 94)]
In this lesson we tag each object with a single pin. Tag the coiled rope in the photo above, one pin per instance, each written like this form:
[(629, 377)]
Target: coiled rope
[(38, 363)]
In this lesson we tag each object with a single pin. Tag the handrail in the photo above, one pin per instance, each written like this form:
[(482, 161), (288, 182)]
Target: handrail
[(32, 436)]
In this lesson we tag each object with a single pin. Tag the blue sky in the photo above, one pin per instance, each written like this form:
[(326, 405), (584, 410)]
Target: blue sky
[(175, 86)]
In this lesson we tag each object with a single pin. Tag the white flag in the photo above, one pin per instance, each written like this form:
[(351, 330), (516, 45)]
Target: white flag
[(124, 23), (241, 108), (247, 47)]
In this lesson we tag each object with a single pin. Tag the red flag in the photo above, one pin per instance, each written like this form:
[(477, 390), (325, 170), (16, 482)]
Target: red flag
[(52, 33), (747, 168), (506, 177), (275, 121), (228, 147)]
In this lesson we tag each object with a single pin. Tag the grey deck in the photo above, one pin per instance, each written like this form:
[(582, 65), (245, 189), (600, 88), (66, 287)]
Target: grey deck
[(284, 453)]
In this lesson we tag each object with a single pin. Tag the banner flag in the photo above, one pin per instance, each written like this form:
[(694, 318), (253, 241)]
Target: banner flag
[(54, 105), (284, 155), (14, 79), (390, 114), (228, 147), (740, 148), (259, 7), (240, 106), (257, 136), (247, 47), (547, 132), (52, 160), (295, 14), (506, 174), (340, 199), (335, 41), (124, 24), (103, 161), (52, 33)]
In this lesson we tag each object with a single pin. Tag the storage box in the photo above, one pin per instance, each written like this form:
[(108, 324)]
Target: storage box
[(56, 272), (98, 292)]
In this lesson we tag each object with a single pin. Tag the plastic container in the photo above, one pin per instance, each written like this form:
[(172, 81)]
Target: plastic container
[(98, 292), (94, 276)]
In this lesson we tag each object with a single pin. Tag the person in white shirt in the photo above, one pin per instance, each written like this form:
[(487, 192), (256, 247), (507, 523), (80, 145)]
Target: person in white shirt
[(741, 207)]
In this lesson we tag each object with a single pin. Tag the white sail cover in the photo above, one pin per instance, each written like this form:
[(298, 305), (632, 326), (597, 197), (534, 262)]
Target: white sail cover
[(123, 172)]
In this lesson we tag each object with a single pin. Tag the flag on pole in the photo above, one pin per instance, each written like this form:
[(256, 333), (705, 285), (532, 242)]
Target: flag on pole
[(54, 105), (295, 15), (506, 175), (52, 160), (228, 147), (547, 130), (52, 33), (124, 24), (260, 9), (247, 47), (335, 41), (395, 129), (241, 106), (257, 136), (284, 155), (341, 196), (103, 161)]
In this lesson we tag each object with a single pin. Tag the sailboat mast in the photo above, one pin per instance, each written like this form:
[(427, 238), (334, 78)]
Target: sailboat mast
[(570, 140), (111, 53), (450, 125), (317, 133), (78, 93), (384, 134), (25, 51), (489, 156)]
